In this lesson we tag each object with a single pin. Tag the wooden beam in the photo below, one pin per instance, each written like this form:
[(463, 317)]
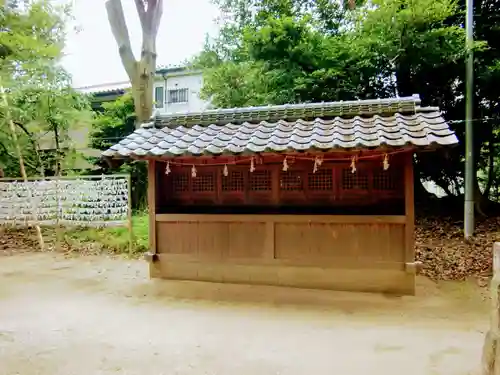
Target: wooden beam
[(333, 263), (270, 240), (345, 155), (334, 219), (409, 211), (152, 186)]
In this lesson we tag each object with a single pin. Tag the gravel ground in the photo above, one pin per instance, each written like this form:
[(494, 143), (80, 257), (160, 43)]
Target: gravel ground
[(98, 315)]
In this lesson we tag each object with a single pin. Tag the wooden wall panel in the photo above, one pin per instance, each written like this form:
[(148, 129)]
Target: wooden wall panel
[(177, 239), (336, 278), (380, 242), (246, 240), (212, 240), (333, 252)]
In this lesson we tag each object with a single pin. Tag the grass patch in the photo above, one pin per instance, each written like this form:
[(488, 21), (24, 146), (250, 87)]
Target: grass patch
[(115, 240)]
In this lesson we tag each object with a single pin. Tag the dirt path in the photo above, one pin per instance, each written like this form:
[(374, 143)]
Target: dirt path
[(82, 316)]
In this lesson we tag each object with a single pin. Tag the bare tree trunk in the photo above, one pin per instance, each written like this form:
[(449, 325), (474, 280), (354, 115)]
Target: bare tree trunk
[(21, 163), (142, 72), (491, 166), (480, 204), (58, 172), (58, 151), (36, 147)]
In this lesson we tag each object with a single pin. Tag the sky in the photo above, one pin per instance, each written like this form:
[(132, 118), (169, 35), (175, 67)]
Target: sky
[(91, 55)]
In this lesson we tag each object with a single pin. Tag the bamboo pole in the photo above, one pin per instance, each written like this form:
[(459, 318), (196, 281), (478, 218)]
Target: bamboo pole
[(130, 219), (21, 163), (59, 233)]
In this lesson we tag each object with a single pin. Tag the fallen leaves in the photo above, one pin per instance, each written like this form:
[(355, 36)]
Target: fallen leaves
[(441, 247)]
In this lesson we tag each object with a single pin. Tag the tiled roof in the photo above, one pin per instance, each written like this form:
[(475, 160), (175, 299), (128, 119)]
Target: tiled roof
[(311, 127)]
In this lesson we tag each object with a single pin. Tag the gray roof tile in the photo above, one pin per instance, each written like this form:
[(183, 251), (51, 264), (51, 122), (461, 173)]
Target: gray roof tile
[(421, 130), (291, 112), (422, 127)]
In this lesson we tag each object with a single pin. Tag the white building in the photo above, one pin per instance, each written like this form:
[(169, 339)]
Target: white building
[(175, 90), (178, 90)]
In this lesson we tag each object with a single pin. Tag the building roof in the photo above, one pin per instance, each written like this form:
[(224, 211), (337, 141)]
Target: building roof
[(105, 88), (363, 124), (121, 86)]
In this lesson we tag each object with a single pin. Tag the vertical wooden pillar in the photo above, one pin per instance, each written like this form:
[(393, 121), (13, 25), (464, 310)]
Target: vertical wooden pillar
[(270, 243), (490, 361), (409, 210), (152, 185), (411, 266)]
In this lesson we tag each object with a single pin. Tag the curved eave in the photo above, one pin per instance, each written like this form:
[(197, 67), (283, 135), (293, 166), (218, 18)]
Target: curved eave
[(382, 148)]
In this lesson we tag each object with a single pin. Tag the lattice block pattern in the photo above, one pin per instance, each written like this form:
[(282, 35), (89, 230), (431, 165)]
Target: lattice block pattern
[(180, 182), (357, 180), (291, 181), (322, 180), (260, 180), (385, 180), (203, 182), (234, 181)]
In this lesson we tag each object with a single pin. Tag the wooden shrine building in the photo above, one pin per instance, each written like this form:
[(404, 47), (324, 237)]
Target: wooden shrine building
[(311, 195)]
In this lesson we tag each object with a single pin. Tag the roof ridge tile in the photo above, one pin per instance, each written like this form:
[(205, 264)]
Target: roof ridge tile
[(409, 104)]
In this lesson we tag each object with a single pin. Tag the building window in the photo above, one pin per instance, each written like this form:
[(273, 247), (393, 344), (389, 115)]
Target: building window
[(291, 181), (322, 180), (260, 180), (178, 96), (204, 182), (356, 181), (159, 97), (234, 181)]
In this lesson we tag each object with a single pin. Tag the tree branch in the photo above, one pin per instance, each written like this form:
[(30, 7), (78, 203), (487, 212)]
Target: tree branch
[(151, 26), (14, 156), (120, 32), (139, 4), (156, 14), (24, 129)]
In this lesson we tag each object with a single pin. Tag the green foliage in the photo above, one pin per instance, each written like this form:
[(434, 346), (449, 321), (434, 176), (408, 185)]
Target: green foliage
[(32, 39), (116, 121), (53, 115), (289, 51), (298, 54), (40, 100), (115, 240), (46, 118)]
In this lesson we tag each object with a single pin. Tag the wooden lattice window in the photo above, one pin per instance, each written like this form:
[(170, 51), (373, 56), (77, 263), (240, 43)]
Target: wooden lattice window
[(234, 181), (322, 180), (357, 180), (384, 180), (260, 180), (203, 182), (180, 182), (291, 181)]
